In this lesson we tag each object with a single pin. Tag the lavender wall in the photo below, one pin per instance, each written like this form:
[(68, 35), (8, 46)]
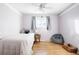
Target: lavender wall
[(9, 20), (67, 26)]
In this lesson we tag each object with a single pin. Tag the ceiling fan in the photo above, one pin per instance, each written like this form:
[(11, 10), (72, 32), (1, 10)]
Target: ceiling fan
[(41, 6)]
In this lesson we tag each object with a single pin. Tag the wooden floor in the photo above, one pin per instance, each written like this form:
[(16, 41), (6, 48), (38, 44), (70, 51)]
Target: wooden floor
[(48, 48)]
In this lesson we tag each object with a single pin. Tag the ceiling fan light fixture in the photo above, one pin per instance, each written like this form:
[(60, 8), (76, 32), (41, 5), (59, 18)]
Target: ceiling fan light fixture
[(42, 5)]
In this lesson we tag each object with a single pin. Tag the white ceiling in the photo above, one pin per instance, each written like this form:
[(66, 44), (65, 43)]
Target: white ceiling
[(34, 8)]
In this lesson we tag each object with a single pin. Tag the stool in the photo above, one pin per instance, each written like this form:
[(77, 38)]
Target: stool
[(37, 37)]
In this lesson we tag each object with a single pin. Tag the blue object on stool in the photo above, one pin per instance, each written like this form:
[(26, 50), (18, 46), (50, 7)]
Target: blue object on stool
[(57, 38)]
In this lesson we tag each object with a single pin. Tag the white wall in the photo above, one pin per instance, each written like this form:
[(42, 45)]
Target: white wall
[(67, 26), (9, 20), (45, 35)]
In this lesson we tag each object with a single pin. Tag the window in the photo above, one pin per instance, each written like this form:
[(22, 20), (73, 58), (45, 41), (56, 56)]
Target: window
[(41, 22)]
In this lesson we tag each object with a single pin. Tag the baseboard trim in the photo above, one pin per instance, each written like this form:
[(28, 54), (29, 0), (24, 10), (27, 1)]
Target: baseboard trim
[(45, 41)]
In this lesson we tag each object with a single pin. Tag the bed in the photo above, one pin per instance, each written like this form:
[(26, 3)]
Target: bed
[(19, 44)]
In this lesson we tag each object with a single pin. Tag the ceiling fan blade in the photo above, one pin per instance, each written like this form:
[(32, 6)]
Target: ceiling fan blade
[(39, 5), (36, 4), (48, 7)]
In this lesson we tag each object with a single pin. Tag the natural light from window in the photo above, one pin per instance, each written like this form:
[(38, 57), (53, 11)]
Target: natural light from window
[(77, 26), (41, 22)]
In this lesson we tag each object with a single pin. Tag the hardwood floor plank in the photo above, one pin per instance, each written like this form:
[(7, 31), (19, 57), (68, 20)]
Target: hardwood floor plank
[(48, 48)]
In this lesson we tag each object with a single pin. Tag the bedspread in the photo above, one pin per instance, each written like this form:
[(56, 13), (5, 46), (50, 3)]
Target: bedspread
[(20, 44)]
